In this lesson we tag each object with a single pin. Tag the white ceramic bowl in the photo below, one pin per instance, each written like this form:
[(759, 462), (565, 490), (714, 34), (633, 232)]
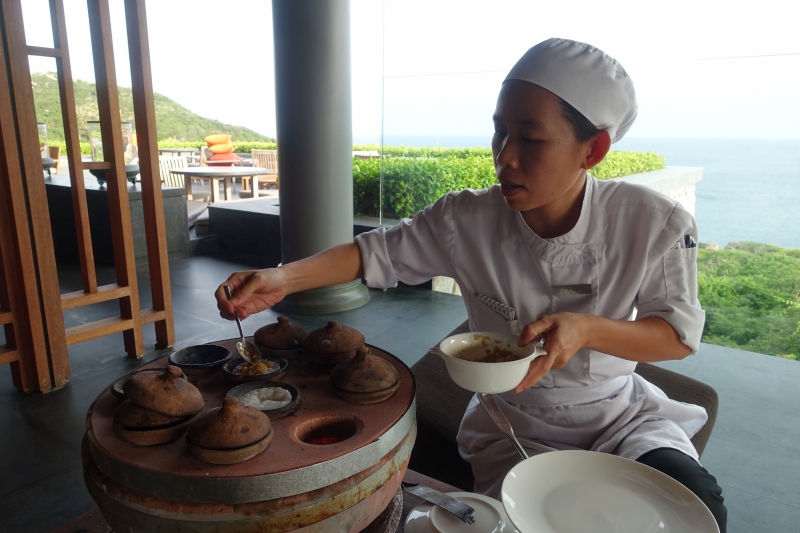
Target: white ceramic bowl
[(488, 378)]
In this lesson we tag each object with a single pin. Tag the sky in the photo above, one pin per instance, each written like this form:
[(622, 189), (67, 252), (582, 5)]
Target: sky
[(701, 68)]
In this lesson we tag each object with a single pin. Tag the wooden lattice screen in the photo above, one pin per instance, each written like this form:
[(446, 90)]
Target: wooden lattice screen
[(30, 303)]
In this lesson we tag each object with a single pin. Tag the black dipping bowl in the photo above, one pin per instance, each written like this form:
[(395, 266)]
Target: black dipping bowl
[(275, 375), (240, 390), (200, 359)]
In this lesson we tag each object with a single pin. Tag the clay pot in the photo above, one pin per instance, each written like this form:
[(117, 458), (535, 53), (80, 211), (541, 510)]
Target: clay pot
[(229, 434), (165, 393), (130, 415), (139, 426), (116, 387), (365, 378), (150, 437), (331, 344), (280, 339)]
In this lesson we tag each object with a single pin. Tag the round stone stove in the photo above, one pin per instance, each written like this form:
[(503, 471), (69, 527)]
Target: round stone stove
[(296, 484)]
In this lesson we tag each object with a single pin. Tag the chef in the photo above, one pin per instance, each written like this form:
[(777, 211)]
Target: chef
[(602, 272)]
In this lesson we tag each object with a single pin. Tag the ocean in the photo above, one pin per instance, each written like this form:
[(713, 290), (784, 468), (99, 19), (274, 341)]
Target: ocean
[(750, 189)]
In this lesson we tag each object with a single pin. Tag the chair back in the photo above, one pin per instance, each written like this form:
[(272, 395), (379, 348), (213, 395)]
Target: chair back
[(167, 163), (267, 159), (205, 154), (55, 155)]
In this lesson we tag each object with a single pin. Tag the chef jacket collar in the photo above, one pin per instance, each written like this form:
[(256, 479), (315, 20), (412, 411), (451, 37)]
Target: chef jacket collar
[(570, 247)]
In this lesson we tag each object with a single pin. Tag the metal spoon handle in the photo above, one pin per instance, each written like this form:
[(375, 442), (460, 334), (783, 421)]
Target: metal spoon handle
[(227, 289), (488, 402)]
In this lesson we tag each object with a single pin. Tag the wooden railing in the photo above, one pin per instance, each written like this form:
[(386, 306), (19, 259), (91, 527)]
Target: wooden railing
[(31, 306)]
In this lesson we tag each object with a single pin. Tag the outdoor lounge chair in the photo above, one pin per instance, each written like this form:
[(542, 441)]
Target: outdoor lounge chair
[(440, 404), (55, 155), (269, 160), (167, 163)]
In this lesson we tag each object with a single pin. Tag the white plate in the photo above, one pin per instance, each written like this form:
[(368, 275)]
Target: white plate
[(576, 491), (489, 517)]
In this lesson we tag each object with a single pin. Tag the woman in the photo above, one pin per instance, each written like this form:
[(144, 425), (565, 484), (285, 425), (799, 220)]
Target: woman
[(603, 272)]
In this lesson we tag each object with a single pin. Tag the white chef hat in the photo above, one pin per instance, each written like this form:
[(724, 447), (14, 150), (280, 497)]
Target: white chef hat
[(586, 78)]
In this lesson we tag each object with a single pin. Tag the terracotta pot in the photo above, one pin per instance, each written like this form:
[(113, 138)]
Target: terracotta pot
[(364, 378), (165, 393), (331, 344), (279, 337), (230, 426), (130, 415)]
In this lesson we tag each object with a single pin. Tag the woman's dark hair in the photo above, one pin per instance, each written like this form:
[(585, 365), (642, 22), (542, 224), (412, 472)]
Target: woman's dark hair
[(584, 130)]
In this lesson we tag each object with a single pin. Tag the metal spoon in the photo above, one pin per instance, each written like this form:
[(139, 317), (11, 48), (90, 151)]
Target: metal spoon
[(500, 420), (247, 350)]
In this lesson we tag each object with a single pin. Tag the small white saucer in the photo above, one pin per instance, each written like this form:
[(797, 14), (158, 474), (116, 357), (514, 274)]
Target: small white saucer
[(490, 517)]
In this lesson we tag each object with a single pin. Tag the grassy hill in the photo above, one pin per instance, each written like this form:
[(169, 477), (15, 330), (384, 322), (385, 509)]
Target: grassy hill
[(173, 121), (751, 294)]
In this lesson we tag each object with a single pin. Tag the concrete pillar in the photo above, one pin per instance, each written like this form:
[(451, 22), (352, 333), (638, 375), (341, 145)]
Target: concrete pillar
[(315, 140)]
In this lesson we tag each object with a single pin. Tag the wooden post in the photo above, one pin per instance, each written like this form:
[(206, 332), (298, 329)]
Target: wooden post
[(152, 199), (30, 304), (41, 328), (72, 137), (119, 208)]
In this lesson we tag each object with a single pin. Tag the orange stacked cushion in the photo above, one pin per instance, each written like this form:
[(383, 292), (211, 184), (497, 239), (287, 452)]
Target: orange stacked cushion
[(219, 138), (221, 148), (223, 159)]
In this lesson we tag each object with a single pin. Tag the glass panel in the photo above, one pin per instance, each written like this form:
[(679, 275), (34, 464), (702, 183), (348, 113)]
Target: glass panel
[(36, 18), (47, 101)]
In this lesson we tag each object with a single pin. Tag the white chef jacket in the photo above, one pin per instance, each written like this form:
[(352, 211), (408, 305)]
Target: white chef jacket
[(624, 258)]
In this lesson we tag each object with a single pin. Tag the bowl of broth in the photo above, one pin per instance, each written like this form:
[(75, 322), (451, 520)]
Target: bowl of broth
[(488, 362)]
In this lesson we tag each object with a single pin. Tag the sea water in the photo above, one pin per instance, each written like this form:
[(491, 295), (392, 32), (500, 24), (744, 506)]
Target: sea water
[(750, 189)]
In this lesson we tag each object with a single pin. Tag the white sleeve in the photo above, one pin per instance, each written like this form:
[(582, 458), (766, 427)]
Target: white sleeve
[(669, 288), (414, 251)]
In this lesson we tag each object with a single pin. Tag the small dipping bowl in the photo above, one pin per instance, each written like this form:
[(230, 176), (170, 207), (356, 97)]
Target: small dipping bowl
[(200, 359), (240, 390), (478, 376), (274, 375)]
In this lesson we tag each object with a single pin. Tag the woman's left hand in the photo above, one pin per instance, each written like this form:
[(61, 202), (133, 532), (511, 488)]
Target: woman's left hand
[(564, 334)]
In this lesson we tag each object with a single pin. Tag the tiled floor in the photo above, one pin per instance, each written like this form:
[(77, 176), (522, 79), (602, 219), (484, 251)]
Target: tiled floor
[(752, 451), (41, 483)]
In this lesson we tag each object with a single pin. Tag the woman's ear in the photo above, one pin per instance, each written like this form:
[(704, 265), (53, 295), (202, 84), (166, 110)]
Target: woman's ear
[(599, 145)]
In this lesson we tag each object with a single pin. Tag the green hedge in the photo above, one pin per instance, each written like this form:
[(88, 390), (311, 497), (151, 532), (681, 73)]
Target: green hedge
[(240, 147), (417, 177), (411, 183), (751, 295), (618, 164), (84, 147)]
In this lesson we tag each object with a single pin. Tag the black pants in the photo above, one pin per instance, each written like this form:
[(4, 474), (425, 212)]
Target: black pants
[(687, 471)]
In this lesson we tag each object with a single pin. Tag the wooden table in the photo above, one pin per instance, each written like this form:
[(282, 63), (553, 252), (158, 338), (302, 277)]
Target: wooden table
[(228, 174), (410, 501), (176, 151)]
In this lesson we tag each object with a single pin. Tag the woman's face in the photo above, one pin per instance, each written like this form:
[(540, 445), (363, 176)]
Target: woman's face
[(537, 158)]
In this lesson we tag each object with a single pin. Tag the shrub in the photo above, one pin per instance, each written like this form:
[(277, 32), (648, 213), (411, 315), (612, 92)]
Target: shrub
[(751, 294), (416, 177), (618, 164), (411, 183), (63, 144), (242, 147)]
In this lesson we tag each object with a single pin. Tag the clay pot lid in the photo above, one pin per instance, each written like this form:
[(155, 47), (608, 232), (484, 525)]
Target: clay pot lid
[(166, 393), (364, 373), (130, 415), (333, 338), (230, 426), (281, 335)]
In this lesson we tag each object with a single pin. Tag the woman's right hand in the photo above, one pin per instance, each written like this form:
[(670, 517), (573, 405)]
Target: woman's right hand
[(252, 291)]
